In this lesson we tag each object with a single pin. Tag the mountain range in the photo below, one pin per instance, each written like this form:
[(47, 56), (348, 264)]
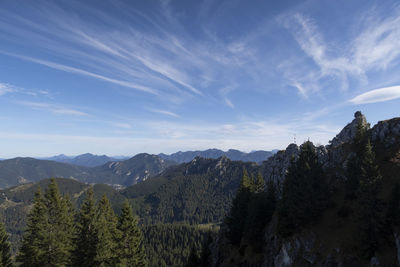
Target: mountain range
[(187, 156), (90, 160), (120, 172), (85, 160)]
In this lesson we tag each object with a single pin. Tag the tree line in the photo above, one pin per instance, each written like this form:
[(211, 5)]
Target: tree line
[(58, 235)]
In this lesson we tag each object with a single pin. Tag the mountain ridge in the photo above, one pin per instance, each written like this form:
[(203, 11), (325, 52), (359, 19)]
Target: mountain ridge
[(257, 156), (22, 170), (85, 160)]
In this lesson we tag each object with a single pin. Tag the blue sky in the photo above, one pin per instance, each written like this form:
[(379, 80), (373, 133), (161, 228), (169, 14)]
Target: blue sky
[(123, 77)]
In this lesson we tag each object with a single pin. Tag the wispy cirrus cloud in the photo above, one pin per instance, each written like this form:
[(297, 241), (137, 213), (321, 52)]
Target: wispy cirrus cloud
[(53, 108), (377, 95), (164, 112), (372, 47), (155, 54), (5, 88), (224, 93), (376, 46), (86, 73)]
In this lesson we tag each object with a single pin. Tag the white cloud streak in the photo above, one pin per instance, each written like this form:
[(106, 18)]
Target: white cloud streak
[(165, 112), (377, 47), (5, 88), (377, 95), (156, 54), (86, 73), (374, 47), (53, 108)]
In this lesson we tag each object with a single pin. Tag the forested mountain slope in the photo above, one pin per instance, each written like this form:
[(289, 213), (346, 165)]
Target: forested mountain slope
[(131, 171), (123, 173), (85, 160), (88, 168), (195, 192), (22, 170), (165, 244), (337, 205)]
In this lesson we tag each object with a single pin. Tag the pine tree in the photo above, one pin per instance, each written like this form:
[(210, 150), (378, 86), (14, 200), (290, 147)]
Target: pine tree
[(260, 210), (304, 192), (86, 233), (353, 168), (236, 219), (107, 234), (60, 228), (5, 248), (259, 184), (130, 244), (246, 183), (33, 250), (70, 221), (361, 133), (370, 218)]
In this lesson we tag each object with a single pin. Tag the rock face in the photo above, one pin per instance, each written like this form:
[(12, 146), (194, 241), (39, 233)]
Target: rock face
[(302, 250), (285, 253), (386, 132), (349, 132), (274, 169), (132, 171), (332, 155)]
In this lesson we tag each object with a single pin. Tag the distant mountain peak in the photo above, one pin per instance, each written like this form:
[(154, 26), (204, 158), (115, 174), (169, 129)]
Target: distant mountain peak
[(213, 153), (85, 160)]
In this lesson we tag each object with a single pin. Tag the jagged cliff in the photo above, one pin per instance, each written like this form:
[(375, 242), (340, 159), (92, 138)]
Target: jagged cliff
[(330, 241)]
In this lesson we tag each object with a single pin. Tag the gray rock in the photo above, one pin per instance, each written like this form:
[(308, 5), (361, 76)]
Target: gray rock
[(387, 132), (275, 167), (349, 131), (374, 262)]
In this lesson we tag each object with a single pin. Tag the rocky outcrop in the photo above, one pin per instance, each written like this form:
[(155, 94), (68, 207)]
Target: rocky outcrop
[(280, 253), (274, 169), (349, 131), (336, 153), (386, 132), (304, 249)]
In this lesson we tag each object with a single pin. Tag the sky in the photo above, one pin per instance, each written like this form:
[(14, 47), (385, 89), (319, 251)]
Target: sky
[(124, 77)]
